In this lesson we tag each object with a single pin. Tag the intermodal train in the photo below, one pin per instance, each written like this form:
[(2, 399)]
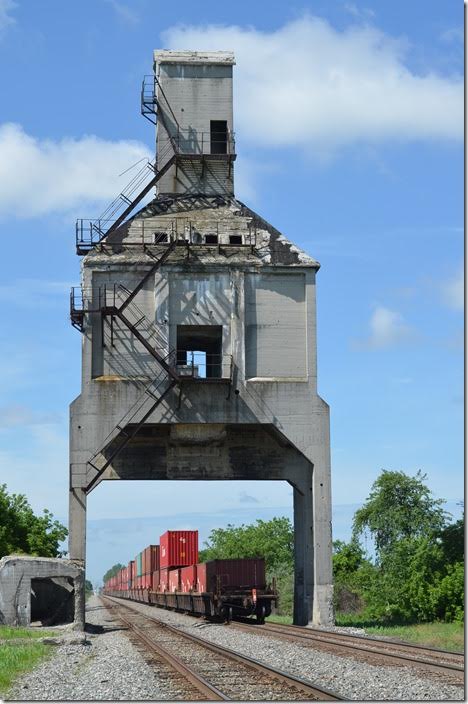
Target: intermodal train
[(169, 575)]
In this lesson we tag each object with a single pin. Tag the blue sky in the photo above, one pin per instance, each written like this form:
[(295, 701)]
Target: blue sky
[(349, 122)]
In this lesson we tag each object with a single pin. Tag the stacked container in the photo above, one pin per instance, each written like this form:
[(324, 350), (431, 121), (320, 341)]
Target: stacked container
[(178, 548), (174, 580), (163, 579), (219, 575), (188, 578)]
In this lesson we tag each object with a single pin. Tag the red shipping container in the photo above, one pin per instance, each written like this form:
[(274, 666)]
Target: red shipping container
[(188, 578), (155, 581), (178, 548), (221, 575), (154, 558), (163, 579), (174, 580), (150, 560), (146, 581)]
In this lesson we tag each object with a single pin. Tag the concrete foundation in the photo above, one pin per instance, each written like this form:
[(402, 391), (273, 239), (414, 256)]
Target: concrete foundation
[(42, 590)]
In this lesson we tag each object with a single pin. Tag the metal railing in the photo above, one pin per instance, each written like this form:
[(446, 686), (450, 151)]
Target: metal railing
[(182, 230), (188, 141), (203, 365)]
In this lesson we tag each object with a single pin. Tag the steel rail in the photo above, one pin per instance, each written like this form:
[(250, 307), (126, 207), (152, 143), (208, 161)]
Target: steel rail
[(207, 690), (394, 642), (304, 686), (363, 645)]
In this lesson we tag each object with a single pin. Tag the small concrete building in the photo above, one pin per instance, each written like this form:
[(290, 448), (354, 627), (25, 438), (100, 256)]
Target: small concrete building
[(199, 330), (43, 590)]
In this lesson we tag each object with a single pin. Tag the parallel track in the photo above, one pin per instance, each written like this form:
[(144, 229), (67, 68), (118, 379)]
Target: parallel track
[(221, 674), (391, 652)]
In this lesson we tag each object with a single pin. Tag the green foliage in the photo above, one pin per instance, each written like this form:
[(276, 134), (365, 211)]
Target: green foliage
[(399, 507), (417, 575), (23, 532), (112, 571), (283, 577), (273, 540), (88, 586), (451, 593), (453, 541)]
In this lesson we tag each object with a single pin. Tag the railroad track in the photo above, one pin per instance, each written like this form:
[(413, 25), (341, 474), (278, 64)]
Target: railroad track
[(210, 672), (443, 662)]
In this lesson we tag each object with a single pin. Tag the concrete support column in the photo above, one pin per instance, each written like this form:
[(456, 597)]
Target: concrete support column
[(323, 612), (77, 525), (303, 551)]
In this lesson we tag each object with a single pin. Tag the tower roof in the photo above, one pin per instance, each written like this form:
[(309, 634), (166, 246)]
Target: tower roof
[(166, 56), (223, 217)]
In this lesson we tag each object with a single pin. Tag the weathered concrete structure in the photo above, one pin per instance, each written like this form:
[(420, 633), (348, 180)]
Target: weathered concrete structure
[(199, 332), (41, 589)]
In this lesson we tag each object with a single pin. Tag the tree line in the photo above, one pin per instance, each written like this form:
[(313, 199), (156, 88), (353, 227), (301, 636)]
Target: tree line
[(411, 571)]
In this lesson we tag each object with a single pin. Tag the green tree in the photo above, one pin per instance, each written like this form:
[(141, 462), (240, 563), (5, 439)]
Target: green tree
[(21, 531), (88, 586), (273, 540), (112, 571), (398, 507)]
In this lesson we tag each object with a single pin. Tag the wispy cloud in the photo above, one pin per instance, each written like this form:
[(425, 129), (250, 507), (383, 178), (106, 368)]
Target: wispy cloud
[(19, 416), (34, 293), (453, 35), (311, 85), (245, 498), (386, 328), (453, 291), (6, 19), (39, 177), (361, 13), (123, 12)]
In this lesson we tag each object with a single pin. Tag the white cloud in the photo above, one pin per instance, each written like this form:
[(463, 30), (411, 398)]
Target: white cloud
[(6, 20), (310, 85), (453, 291), (387, 327), (38, 177)]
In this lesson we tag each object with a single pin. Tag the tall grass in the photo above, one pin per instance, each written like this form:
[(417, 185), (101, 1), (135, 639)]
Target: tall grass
[(16, 658)]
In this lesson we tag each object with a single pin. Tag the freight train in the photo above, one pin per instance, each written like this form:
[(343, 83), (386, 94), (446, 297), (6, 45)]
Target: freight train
[(169, 575)]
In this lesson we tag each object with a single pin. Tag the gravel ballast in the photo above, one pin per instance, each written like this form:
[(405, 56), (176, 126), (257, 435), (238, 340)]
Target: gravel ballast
[(345, 676), (110, 667), (107, 667)]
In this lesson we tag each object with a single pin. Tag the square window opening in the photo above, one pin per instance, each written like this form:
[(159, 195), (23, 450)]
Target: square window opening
[(160, 238), (211, 239), (199, 351), (235, 239)]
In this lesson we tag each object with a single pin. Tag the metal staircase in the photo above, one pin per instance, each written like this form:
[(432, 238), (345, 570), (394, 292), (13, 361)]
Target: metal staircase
[(118, 302)]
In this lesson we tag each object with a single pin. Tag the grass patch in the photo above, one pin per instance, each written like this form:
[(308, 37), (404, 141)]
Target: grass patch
[(9, 632), (274, 618), (17, 658), (447, 636)]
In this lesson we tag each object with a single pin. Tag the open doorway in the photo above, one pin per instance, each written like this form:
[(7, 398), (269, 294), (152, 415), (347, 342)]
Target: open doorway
[(218, 134), (52, 601), (199, 351)]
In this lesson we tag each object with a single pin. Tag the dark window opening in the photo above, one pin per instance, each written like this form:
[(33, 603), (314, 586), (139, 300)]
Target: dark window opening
[(211, 239), (160, 237), (235, 239), (52, 601), (199, 351), (218, 134)]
